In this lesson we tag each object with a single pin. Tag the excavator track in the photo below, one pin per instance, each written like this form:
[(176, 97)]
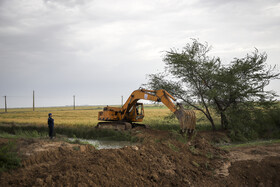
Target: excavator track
[(118, 125), (114, 125)]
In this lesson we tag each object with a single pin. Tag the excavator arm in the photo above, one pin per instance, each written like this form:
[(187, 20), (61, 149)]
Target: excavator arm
[(127, 113), (150, 95)]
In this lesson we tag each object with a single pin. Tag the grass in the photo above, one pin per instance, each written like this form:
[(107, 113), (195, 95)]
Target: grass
[(177, 136), (209, 155), (252, 143), (23, 134), (193, 150), (7, 135), (8, 157), (195, 164), (173, 147), (84, 132)]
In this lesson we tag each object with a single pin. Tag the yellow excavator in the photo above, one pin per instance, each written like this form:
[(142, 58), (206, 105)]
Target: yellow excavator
[(133, 111)]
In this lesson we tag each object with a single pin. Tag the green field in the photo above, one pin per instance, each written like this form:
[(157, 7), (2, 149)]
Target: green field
[(155, 116)]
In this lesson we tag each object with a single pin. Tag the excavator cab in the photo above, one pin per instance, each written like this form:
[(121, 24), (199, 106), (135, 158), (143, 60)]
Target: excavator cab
[(139, 110), (136, 113)]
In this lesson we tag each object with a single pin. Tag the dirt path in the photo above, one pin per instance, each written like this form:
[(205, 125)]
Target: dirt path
[(161, 160)]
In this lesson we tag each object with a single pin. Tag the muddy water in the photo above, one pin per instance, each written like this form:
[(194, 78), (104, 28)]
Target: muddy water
[(106, 144)]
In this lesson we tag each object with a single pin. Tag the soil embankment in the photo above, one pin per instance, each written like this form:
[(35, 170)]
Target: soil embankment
[(161, 160)]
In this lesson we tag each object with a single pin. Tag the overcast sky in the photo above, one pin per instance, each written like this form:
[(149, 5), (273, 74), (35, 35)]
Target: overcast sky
[(99, 50)]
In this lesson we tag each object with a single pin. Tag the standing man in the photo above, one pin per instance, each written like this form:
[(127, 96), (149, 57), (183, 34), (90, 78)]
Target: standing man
[(51, 125)]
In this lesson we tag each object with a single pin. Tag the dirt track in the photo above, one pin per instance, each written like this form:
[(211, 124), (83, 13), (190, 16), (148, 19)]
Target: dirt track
[(160, 161)]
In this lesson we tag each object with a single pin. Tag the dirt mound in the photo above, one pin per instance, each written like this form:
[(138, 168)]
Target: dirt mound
[(218, 137), (156, 162), (255, 173), (162, 160), (251, 166)]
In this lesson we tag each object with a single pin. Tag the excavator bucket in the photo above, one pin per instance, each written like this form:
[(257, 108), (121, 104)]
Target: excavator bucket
[(186, 118)]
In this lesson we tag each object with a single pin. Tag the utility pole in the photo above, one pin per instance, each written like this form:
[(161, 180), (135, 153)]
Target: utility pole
[(33, 100), (122, 100), (74, 102), (5, 103)]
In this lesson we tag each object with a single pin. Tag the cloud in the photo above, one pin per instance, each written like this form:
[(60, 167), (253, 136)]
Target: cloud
[(104, 49)]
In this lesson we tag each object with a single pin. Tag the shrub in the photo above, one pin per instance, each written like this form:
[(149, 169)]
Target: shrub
[(254, 123)]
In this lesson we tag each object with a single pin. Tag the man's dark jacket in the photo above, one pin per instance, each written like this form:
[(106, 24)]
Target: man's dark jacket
[(51, 122)]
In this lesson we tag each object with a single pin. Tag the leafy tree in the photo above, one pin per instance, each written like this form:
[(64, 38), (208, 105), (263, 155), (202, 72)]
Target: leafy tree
[(202, 82)]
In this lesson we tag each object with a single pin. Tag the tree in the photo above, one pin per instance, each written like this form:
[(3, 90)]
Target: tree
[(202, 82), (242, 83)]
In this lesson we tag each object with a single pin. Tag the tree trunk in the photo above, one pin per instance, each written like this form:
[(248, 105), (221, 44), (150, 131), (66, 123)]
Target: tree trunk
[(224, 121), (209, 117), (213, 125)]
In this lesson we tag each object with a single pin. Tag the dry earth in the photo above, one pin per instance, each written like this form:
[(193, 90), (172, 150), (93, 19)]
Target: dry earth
[(160, 160)]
